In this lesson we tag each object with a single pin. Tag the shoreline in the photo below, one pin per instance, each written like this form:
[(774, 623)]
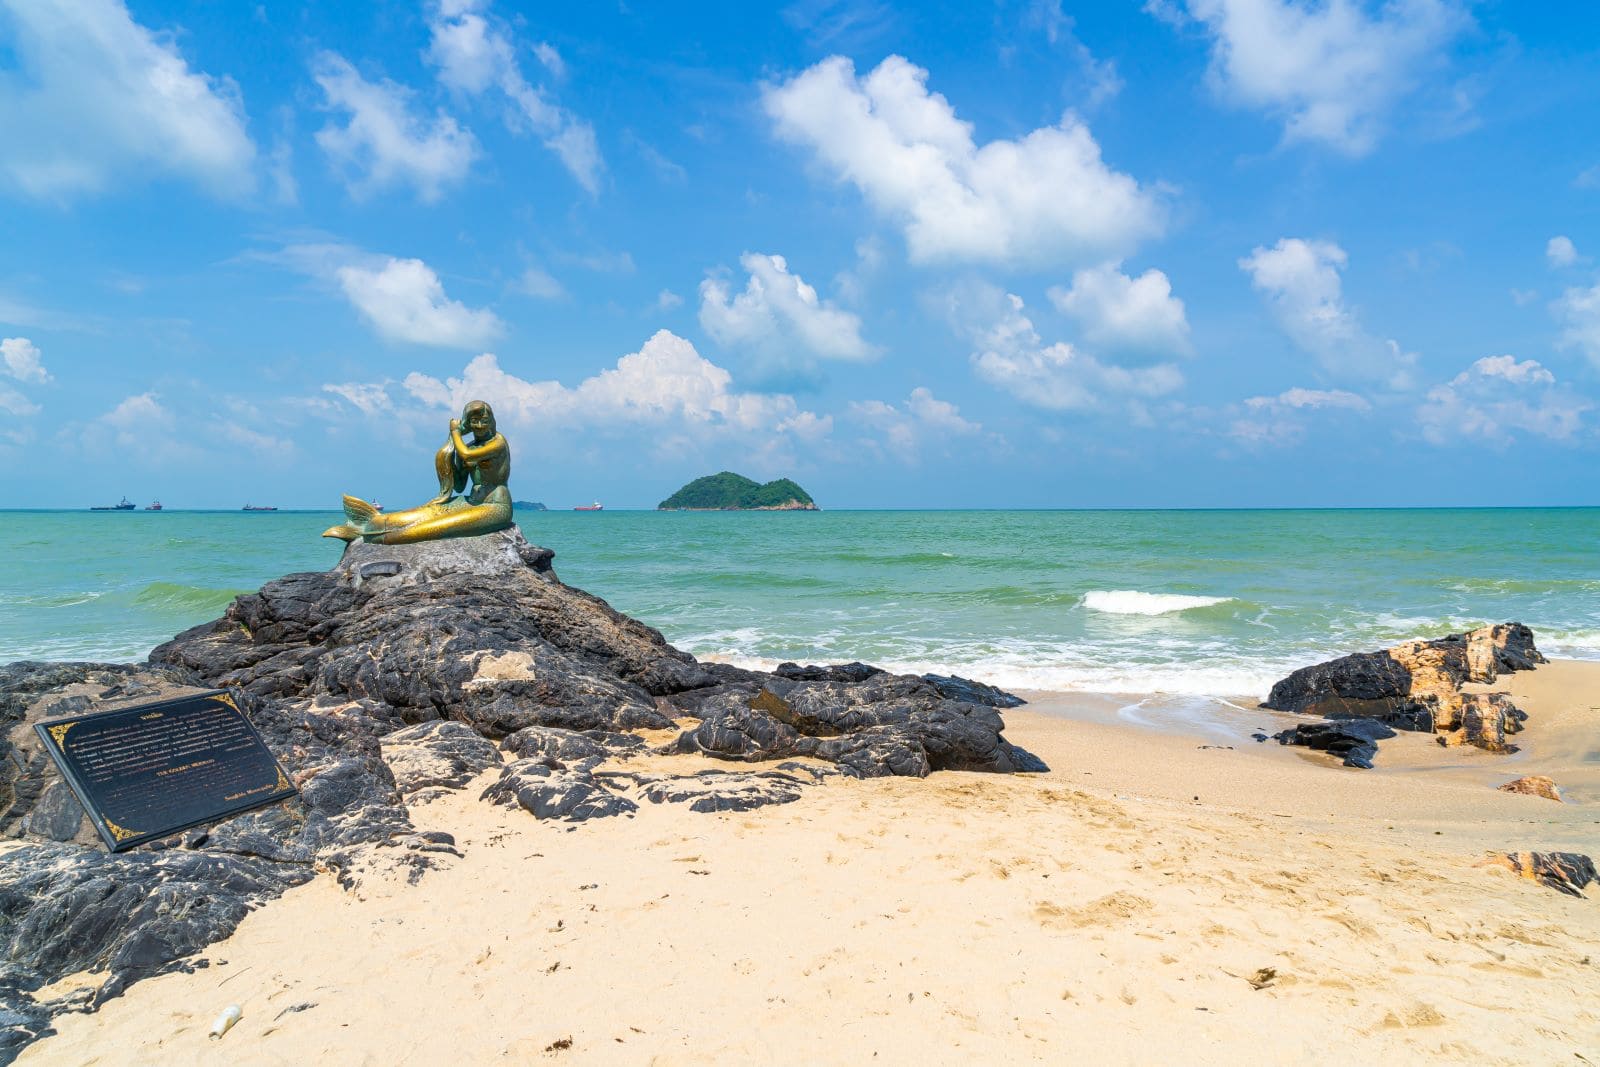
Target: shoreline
[(1152, 898), (1415, 780)]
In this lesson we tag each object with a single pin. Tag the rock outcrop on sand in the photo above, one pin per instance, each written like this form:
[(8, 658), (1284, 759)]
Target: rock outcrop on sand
[(1353, 740), (404, 672), (1533, 785), (1416, 686), (1565, 872)]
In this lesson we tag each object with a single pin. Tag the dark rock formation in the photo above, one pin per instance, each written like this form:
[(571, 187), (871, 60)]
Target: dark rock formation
[(542, 742), (881, 725), (710, 791), (955, 687), (1355, 740), (433, 757), (1565, 872), (837, 672), (550, 790), (403, 672), (1417, 686)]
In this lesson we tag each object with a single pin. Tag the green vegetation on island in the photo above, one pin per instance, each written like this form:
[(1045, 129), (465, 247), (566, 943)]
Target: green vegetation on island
[(527, 505), (734, 492)]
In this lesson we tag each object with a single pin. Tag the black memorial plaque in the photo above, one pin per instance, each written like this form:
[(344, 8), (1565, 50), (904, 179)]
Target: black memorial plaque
[(151, 770)]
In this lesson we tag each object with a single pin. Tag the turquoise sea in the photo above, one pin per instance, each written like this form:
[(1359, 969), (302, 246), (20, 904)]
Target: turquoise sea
[(1183, 602)]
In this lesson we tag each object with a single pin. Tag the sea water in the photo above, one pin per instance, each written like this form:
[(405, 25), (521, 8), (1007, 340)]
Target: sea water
[(1173, 602)]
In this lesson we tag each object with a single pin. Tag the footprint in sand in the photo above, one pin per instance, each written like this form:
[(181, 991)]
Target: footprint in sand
[(1106, 909), (1417, 1014)]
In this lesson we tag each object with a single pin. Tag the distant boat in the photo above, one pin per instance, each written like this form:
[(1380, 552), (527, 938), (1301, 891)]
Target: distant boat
[(596, 506), (258, 507), (156, 506), (123, 506)]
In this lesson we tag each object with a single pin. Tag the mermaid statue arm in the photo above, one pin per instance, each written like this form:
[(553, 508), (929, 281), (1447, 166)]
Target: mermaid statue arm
[(473, 453)]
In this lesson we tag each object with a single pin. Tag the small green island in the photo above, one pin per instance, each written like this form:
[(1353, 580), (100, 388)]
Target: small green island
[(734, 492)]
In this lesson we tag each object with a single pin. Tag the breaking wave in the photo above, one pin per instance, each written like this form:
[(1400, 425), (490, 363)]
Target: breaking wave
[(1133, 602)]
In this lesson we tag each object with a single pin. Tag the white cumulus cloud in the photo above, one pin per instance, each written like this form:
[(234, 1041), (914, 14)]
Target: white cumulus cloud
[(665, 385), (404, 301), (1302, 280), (1559, 251), (536, 281), (22, 360), (138, 413), (1011, 355), (779, 317), (475, 54), (1496, 398), (140, 429), (12, 402), (1047, 197), (382, 143), (1578, 310), (1331, 71), (369, 398), (922, 421), (1310, 398), (1281, 419), (1119, 312), (96, 101)]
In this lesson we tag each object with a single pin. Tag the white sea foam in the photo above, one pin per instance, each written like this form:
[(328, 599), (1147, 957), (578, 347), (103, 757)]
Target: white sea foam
[(1241, 680), (1007, 672), (1133, 602), (1568, 644)]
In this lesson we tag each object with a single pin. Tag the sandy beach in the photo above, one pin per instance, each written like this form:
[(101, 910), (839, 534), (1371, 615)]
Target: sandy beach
[(1158, 897)]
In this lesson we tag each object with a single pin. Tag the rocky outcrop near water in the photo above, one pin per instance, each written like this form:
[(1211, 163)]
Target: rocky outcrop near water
[(404, 673), (1416, 686)]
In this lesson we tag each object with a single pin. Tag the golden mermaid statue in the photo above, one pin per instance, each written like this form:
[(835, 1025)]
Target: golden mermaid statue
[(485, 461)]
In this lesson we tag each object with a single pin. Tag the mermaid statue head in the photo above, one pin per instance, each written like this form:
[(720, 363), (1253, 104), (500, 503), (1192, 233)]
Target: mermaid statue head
[(478, 418)]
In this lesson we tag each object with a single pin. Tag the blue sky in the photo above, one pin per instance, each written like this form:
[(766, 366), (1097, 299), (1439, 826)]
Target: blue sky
[(1194, 253)]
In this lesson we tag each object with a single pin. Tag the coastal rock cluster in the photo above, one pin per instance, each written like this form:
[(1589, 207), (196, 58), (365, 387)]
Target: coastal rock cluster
[(401, 674), (1413, 686)]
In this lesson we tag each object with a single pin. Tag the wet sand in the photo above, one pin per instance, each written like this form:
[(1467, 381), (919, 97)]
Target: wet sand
[(1158, 897)]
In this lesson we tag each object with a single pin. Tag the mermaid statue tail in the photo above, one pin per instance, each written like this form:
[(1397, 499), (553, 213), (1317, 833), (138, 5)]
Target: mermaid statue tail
[(358, 511), (455, 518), (361, 519), (344, 532)]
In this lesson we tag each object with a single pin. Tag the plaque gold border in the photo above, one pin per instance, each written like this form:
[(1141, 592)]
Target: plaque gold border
[(116, 835), (121, 833)]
